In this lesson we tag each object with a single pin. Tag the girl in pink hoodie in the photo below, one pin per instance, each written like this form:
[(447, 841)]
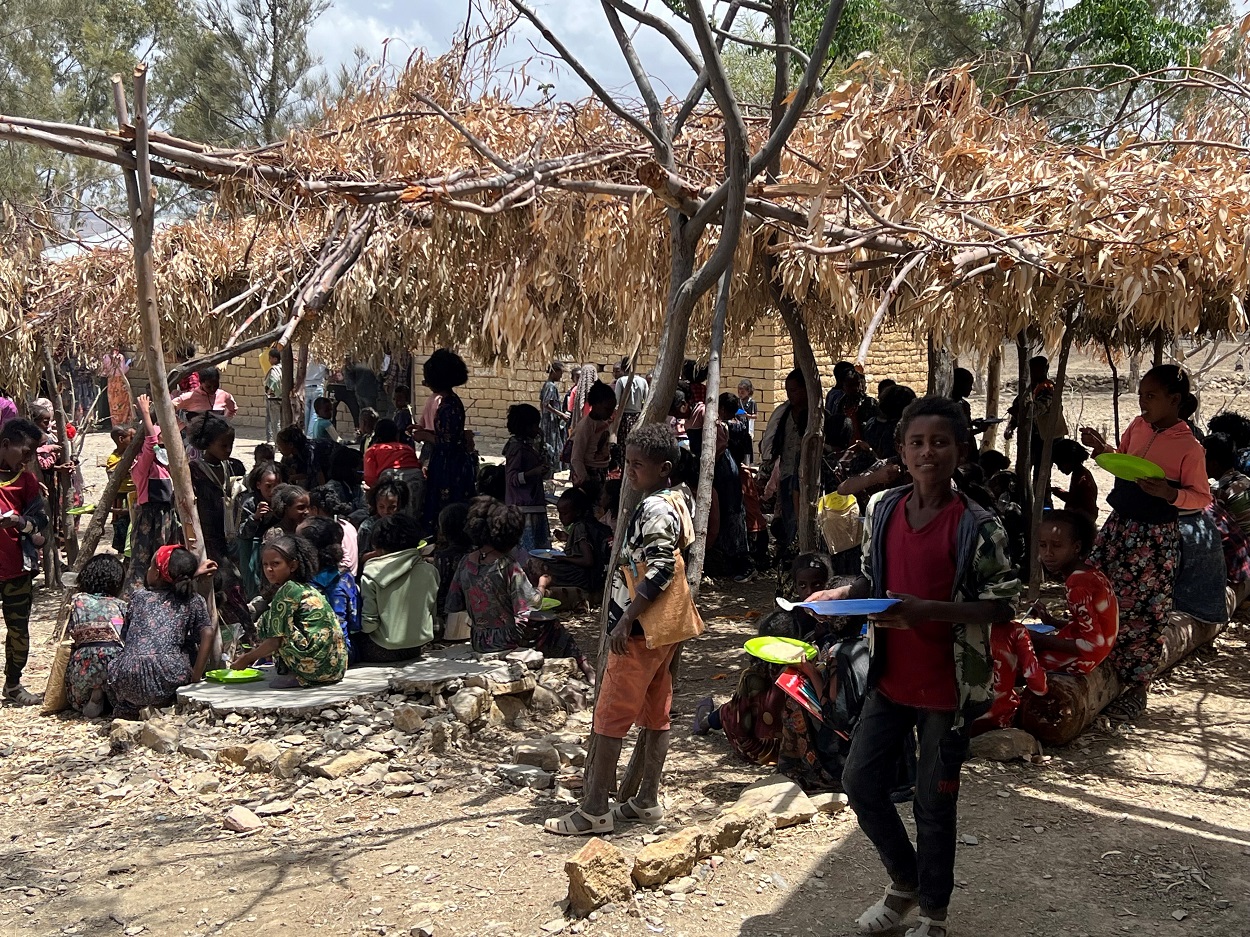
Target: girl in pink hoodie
[(155, 523)]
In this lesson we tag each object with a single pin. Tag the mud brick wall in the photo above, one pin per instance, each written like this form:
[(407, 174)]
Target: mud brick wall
[(764, 358)]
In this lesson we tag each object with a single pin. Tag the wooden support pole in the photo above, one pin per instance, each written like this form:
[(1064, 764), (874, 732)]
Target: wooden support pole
[(1024, 434), (707, 458), (993, 395), (63, 530), (1115, 391)]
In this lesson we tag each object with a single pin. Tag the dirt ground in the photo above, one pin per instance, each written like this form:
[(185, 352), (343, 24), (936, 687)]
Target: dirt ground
[(1142, 830)]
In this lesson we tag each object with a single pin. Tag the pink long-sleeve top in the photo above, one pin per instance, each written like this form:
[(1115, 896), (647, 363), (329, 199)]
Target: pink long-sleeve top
[(147, 469), (1181, 457)]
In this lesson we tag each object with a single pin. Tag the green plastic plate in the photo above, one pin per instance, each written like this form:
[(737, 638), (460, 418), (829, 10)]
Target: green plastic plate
[(548, 605), (1128, 467), (234, 676), (779, 650)]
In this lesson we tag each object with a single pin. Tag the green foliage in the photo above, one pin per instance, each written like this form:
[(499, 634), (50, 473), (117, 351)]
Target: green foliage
[(225, 72), (1125, 32)]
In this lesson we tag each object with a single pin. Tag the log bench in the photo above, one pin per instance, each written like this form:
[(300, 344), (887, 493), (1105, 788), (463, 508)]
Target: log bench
[(1072, 702)]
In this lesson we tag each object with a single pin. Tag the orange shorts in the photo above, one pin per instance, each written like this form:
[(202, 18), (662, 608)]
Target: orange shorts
[(637, 690)]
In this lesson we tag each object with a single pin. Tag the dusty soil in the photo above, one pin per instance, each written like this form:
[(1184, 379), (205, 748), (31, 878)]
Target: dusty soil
[(1132, 831)]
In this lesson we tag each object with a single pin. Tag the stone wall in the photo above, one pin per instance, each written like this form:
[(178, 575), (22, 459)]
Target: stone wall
[(764, 358)]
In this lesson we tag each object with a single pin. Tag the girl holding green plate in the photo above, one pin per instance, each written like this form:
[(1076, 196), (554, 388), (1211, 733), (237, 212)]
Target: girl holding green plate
[(1139, 547)]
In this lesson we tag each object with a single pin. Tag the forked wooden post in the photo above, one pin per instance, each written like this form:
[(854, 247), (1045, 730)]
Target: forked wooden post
[(140, 195)]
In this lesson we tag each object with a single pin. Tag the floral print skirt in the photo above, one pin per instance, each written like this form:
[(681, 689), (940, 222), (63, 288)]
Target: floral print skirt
[(88, 671), (1140, 559)]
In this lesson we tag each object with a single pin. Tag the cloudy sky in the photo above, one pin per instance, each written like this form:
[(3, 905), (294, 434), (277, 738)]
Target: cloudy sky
[(432, 24)]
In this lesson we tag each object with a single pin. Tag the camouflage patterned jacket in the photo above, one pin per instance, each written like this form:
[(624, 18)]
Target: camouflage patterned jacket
[(983, 572)]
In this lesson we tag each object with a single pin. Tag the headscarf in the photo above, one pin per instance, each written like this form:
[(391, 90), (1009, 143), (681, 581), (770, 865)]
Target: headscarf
[(161, 560)]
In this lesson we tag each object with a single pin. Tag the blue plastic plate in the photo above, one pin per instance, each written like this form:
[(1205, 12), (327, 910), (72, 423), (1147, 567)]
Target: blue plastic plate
[(1038, 627), (548, 554), (843, 607)]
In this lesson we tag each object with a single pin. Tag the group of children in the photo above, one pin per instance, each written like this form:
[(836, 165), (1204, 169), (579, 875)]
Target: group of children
[(323, 582)]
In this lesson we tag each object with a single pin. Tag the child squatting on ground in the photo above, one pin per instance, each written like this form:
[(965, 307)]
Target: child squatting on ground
[(945, 558), (646, 625)]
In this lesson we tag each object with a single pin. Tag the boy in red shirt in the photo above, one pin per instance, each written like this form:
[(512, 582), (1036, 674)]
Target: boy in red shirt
[(945, 559), (23, 513)]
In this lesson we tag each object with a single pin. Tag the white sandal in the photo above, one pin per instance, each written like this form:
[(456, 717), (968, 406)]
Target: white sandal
[(881, 918), (650, 815), (564, 826), (928, 927)]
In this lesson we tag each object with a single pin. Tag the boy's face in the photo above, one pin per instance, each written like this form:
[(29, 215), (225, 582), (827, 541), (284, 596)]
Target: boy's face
[(565, 510), (796, 393), (645, 474), (401, 399), (210, 385), (15, 453), (44, 422), (931, 450), (744, 393), (603, 411)]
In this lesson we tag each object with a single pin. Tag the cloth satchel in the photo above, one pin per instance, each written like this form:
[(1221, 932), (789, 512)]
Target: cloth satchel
[(672, 617), (838, 516)]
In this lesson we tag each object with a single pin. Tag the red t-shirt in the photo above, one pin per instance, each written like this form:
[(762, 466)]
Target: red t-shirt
[(16, 496), (920, 661)]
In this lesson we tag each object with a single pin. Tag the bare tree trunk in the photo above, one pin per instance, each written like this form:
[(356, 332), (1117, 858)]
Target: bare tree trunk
[(1042, 486), (812, 449), (993, 391), (708, 456), (1115, 391), (62, 528), (1158, 348)]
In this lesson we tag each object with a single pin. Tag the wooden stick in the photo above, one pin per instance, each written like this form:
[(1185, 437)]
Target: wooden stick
[(993, 392), (61, 524), (141, 198), (1044, 458)]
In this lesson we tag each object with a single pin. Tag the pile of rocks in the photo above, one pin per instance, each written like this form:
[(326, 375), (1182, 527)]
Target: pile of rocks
[(600, 874), (510, 712)]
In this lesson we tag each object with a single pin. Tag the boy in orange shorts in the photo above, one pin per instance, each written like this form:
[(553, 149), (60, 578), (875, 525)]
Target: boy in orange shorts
[(637, 686)]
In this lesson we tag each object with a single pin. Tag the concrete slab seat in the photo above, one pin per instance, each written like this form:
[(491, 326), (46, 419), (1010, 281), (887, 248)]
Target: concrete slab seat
[(1073, 702), (259, 697)]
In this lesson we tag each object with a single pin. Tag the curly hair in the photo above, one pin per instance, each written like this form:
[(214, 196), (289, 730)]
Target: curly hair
[(397, 532), (294, 437), (942, 407), (1232, 423), (20, 430), (206, 429), (325, 498), (103, 574), (444, 370), (492, 524), (388, 486), (326, 535), (297, 551), (523, 419), (281, 500), (655, 442)]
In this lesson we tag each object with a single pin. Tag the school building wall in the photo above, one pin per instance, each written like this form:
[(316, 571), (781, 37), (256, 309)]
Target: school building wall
[(764, 358)]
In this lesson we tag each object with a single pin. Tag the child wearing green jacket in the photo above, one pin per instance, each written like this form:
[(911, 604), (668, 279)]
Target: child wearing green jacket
[(399, 592)]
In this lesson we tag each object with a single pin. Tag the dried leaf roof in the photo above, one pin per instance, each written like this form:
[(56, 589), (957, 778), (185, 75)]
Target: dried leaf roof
[(522, 232)]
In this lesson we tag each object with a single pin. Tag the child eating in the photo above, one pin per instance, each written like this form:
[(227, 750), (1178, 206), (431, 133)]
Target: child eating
[(945, 559), (299, 629), (637, 686)]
